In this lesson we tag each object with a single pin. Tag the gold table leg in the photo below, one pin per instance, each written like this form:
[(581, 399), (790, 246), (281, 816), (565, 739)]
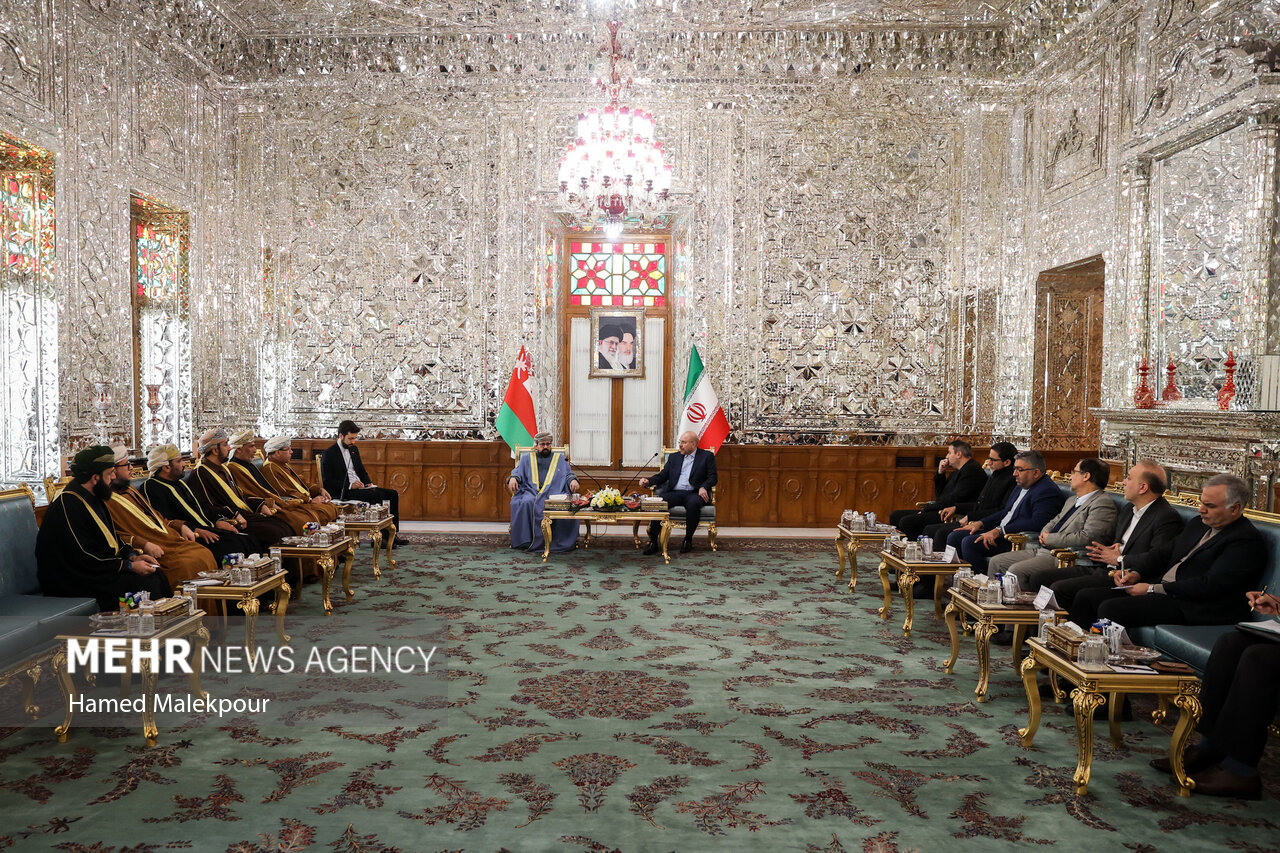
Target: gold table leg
[(950, 616), (666, 538), (391, 560), (546, 537), (278, 607), (1085, 700), (1019, 637), (983, 632), (30, 678), (884, 584), (1189, 710), (906, 584), (63, 678), (326, 565), (249, 605), (197, 665), (1161, 711), (1029, 667), (349, 560), (635, 533), (842, 553), (148, 677), (853, 564), (376, 536), (711, 536), (1113, 719), (937, 595)]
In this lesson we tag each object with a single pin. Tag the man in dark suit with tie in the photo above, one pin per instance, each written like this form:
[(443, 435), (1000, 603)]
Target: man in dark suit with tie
[(1215, 561), (1027, 509), (691, 474), (961, 486), (1144, 537), (343, 475)]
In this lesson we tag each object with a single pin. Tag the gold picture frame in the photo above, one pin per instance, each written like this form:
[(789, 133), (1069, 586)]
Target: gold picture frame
[(615, 334)]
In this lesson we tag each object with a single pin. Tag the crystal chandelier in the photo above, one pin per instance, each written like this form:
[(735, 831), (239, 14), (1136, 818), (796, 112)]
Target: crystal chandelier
[(614, 171)]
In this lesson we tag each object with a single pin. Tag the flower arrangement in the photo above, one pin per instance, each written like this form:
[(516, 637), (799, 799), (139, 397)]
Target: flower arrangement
[(608, 498)]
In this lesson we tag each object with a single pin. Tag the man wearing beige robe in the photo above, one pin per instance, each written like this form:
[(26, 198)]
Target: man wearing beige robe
[(253, 485), (286, 483), (171, 543)]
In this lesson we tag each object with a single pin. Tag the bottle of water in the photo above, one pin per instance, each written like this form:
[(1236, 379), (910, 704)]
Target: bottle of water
[(147, 617)]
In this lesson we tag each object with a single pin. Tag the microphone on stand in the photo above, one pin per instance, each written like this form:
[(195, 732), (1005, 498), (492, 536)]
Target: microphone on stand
[(642, 467), (599, 485)]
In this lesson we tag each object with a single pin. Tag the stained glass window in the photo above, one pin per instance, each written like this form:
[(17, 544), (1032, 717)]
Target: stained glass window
[(161, 283), (28, 315), (632, 275)]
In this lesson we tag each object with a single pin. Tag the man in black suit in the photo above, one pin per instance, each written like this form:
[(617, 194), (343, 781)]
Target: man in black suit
[(344, 477), (993, 495), (1144, 536), (962, 486), (691, 474), (1215, 561), (1240, 695)]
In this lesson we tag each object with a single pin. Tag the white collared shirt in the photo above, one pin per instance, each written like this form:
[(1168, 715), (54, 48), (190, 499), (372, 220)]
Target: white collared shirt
[(352, 479), (1128, 531)]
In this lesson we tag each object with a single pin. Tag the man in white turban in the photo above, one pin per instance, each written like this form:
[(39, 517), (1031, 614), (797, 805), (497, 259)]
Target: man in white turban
[(174, 499), (285, 482), (538, 474)]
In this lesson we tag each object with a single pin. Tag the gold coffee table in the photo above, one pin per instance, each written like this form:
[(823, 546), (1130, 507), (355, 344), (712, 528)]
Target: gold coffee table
[(382, 530), (189, 626), (1091, 685), (908, 573), (849, 542), (246, 598), (326, 559), (988, 619), (591, 516)]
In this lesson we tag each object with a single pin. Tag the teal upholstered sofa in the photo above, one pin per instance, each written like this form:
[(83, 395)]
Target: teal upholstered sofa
[(1193, 643), (28, 620)]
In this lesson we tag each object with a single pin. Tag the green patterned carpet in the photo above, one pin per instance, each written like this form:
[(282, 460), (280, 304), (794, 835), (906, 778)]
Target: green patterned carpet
[(737, 700)]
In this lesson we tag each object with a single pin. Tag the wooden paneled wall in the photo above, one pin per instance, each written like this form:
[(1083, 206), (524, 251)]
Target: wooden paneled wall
[(760, 485)]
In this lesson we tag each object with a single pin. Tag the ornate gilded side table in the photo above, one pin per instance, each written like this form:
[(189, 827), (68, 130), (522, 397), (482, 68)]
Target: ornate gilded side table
[(246, 598), (908, 573), (1091, 685), (987, 621), (326, 559), (383, 530), (849, 542), (191, 626), (591, 516)]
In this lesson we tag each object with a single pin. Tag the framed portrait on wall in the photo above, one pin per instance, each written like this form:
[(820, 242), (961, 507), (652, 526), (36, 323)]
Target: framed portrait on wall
[(617, 335)]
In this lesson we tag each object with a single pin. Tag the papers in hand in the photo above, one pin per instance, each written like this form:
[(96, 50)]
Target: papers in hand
[(1267, 629), (1123, 586)]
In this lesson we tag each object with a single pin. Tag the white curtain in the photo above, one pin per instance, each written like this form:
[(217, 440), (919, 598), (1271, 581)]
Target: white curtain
[(642, 399), (590, 405)]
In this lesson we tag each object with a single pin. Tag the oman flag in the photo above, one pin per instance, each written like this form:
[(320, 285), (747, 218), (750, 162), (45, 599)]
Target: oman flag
[(516, 422), (702, 412)]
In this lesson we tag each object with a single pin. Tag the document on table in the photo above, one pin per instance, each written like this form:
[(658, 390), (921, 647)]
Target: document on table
[(205, 582)]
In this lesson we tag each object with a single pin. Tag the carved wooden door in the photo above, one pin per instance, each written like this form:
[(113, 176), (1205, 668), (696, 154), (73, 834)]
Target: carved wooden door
[(1067, 379)]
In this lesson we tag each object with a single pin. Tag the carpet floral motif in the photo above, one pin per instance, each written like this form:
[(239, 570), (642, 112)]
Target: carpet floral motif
[(605, 702), (628, 694)]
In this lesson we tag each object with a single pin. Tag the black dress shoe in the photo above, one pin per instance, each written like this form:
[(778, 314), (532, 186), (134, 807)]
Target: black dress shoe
[(686, 546), (1194, 760), (1218, 782), (653, 548)]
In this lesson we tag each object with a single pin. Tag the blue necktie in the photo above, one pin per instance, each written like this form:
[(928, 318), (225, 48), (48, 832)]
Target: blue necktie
[(1070, 512)]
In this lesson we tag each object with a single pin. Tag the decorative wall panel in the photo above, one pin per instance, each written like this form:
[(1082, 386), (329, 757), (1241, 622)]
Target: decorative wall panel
[(26, 54), (852, 321), (1201, 306)]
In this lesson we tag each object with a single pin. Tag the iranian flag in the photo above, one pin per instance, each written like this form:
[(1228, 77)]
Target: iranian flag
[(702, 412), (516, 422)]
